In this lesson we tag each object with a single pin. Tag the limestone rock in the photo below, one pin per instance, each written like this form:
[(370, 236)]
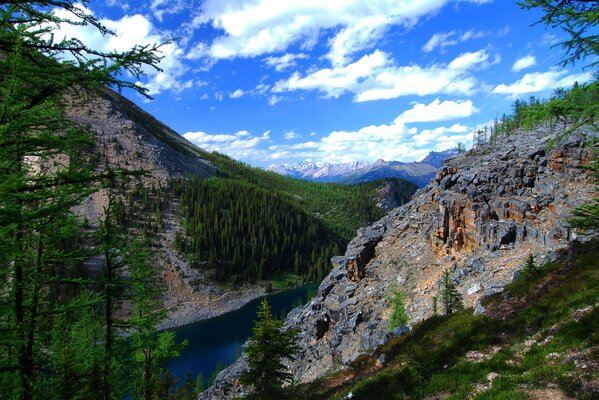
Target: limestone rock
[(480, 217)]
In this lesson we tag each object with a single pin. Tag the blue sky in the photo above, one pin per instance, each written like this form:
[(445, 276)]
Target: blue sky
[(282, 81)]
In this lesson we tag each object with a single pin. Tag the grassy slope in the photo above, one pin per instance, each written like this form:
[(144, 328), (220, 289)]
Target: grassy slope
[(541, 334)]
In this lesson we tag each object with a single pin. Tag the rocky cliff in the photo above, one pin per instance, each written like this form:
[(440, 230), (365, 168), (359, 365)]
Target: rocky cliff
[(480, 217)]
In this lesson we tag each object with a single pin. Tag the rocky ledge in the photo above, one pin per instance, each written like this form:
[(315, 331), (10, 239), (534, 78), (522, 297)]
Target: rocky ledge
[(480, 218)]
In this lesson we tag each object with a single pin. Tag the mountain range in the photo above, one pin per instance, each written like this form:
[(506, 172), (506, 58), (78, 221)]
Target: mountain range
[(192, 196), (419, 173)]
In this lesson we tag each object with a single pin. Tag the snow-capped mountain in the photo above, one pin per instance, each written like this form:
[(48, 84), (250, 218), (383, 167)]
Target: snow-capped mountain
[(360, 171)]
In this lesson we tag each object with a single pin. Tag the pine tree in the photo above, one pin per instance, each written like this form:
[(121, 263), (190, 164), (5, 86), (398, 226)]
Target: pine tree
[(266, 350), (399, 316), (450, 296)]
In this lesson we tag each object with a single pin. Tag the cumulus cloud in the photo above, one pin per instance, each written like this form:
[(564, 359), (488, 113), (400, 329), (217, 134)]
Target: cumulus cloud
[(468, 60), (236, 94), (241, 144), (438, 111), (375, 77), (393, 141), (132, 30), (284, 62), (523, 63), (289, 135), (254, 28), (540, 81)]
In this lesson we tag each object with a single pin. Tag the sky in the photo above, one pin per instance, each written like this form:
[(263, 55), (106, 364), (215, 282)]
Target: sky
[(284, 81)]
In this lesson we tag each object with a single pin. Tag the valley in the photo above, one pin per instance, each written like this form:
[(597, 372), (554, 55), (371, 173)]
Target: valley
[(428, 227)]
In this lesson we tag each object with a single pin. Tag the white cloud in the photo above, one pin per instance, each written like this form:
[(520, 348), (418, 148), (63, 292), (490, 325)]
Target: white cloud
[(257, 27), (354, 38), (236, 94), (468, 60), (130, 31), (285, 61), (524, 62), (274, 99), (375, 77), (241, 144), (289, 135), (452, 38), (539, 81), (160, 8), (394, 141), (438, 111)]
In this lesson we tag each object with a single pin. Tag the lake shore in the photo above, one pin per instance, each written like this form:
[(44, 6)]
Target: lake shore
[(186, 313)]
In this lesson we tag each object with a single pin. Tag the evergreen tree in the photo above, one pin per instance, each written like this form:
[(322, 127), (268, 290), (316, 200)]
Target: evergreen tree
[(578, 19), (435, 305), (399, 316), (266, 350), (44, 172), (530, 266), (450, 296)]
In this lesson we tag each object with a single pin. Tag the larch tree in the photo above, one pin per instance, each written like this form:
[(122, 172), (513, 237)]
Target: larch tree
[(44, 172)]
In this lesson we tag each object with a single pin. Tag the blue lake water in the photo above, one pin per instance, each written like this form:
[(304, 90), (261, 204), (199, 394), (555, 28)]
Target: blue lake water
[(219, 340)]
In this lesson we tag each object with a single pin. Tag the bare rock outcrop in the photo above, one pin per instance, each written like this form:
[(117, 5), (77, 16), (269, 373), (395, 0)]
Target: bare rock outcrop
[(480, 217)]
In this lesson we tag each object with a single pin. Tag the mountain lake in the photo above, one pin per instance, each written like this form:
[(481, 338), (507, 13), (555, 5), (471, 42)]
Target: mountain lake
[(216, 342)]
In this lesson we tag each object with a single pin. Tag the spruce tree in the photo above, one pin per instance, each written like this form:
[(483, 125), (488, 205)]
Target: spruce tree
[(399, 316), (530, 266), (265, 351), (450, 296)]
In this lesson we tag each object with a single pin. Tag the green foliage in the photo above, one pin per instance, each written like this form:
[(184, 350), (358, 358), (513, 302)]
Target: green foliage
[(450, 296), (429, 361), (200, 385), (266, 350), (399, 316), (435, 305), (530, 266), (243, 232), (460, 148), (262, 227), (578, 19), (341, 208), (566, 109), (58, 330)]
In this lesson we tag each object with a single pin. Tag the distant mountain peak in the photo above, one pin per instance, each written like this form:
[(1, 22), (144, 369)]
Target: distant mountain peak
[(362, 171)]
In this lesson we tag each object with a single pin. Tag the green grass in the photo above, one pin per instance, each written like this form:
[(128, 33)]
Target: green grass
[(430, 360)]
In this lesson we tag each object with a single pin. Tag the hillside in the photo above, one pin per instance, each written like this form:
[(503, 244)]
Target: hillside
[(482, 215), (538, 339), (207, 266)]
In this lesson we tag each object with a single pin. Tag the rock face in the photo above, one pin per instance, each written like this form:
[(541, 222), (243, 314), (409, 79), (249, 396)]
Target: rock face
[(480, 217)]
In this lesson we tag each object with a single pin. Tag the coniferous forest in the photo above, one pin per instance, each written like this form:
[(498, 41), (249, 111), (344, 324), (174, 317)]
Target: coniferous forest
[(244, 232)]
